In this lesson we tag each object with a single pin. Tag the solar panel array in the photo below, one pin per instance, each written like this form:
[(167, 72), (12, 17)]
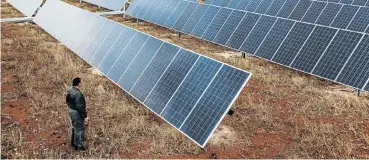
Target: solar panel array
[(335, 54), (27, 7), (115, 5), (335, 15), (191, 92)]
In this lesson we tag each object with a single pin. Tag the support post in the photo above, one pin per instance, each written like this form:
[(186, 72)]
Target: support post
[(230, 112), (137, 20), (243, 54), (358, 93), (179, 34), (124, 10)]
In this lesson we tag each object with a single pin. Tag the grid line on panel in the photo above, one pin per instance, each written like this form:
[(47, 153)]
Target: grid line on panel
[(285, 37), (320, 58), (219, 11), (179, 15), (313, 13), (216, 24), (223, 35), (101, 43), (174, 11), (196, 20), (366, 84), (110, 48), (89, 41)]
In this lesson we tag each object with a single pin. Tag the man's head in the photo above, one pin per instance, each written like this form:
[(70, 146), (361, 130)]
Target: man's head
[(76, 81)]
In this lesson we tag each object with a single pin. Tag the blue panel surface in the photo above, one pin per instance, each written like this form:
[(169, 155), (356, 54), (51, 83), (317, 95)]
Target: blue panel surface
[(243, 4), (224, 3), (360, 21), (90, 36), (275, 7), (116, 50), (300, 10), (216, 2), (253, 5), (194, 19), (151, 10), (263, 6), (205, 21), (356, 71), (243, 30), (159, 10), (167, 12), (154, 71), (136, 6), (210, 108), (170, 81), (185, 16), (287, 8), (346, 1), (345, 16), (337, 53), (106, 45), (359, 2), (97, 41), (367, 87), (328, 14), (145, 7), (190, 91), (229, 27), (216, 24), (257, 34), (314, 11), (313, 48), (233, 3), (127, 56), (274, 39), (139, 64), (293, 42), (176, 14)]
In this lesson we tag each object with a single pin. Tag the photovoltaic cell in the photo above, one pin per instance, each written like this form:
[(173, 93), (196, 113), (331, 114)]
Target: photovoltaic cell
[(185, 16), (159, 10), (115, 50), (229, 26), (205, 21), (314, 11), (145, 8), (360, 21), (359, 2), (171, 79), (233, 3), (139, 64), (194, 19), (292, 44), (167, 12), (106, 45), (154, 71), (287, 8), (346, 1), (313, 48), (328, 14), (274, 38), (300, 10), (216, 24), (243, 30), (210, 106), (344, 16), (263, 6), (337, 53), (257, 34), (216, 2), (224, 3), (275, 7), (127, 56), (356, 71), (151, 10), (243, 4), (176, 14), (190, 91), (253, 5)]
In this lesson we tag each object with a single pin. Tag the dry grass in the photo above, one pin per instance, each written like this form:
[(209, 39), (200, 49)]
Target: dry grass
[(281, 114)]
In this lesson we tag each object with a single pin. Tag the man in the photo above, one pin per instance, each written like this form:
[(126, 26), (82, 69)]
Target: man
[(78, 114)]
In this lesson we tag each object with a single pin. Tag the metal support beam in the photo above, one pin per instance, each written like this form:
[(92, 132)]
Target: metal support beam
[(17, 20), (109, 13)]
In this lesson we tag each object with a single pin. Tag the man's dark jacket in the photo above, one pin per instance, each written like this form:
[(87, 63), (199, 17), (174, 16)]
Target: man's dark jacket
[(76, 101)]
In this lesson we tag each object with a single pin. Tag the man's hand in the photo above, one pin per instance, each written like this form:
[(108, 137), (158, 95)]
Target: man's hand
[(86, 120)]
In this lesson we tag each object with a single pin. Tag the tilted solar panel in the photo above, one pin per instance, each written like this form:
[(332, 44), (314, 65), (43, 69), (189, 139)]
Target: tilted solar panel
[(115, 5), (190, 91), (27, 7), (321, 50)]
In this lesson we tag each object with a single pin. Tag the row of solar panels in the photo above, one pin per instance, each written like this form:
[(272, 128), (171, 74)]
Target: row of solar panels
[(342, 16), (115, 5), (191, 92), (334, 54)]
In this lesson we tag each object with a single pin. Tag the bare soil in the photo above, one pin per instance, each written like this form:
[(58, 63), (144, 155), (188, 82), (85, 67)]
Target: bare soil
[(281, 113)]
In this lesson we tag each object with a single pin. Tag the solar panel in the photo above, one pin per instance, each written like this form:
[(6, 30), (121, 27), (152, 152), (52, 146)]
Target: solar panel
[(253, 5), (263, 6), (27, 7), (287, 8), (300, 10), (168, 11), (344, 16), (314, 11), (348, 2), (156, 73), (328, 14), (176, 14), (194, 19), (275, 7), (216, 24), (360, 20), (205, 21), (230, 25), (233, 3), (191, 7), (115, 5)]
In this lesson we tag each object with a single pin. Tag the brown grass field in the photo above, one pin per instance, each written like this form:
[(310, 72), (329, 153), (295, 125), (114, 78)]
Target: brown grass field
[(281, 113)]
